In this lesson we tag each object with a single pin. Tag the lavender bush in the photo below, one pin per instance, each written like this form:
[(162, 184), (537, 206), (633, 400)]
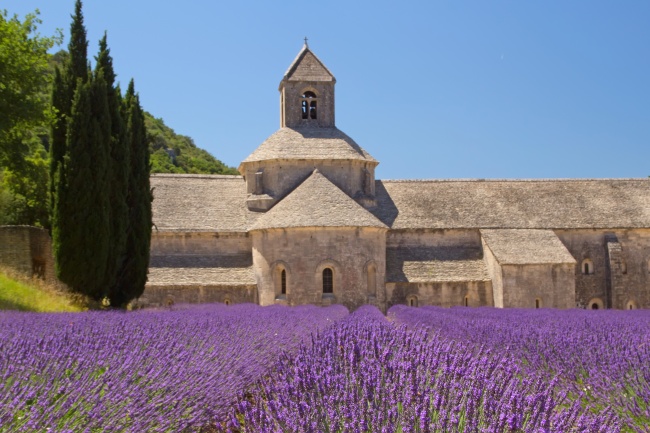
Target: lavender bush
[(364, 374), (599, 358), (147, 371)]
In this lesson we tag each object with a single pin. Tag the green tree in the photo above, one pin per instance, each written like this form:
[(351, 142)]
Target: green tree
[(24, 80), (133, 274), (75, 71), (80, 225), (118, 167), (24, 112)]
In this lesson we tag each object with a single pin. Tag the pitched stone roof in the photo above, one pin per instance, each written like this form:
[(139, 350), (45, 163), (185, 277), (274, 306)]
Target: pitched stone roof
[(309, 142), (308, 67), (552, 204), (223, 270), (201, 276), (218, 203), (434, 265), (518, 247), (317, 202), (200, 203)]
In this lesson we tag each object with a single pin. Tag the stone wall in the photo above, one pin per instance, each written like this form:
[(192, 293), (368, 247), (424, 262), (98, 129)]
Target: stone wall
[(28, 250), (198, 243), (162, 295), (454, 238), (621, 266), (305, 252), (444, 294), (496, 274), (539, 285)]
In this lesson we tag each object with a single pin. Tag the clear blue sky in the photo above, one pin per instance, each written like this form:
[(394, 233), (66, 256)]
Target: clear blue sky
[(432, 89)]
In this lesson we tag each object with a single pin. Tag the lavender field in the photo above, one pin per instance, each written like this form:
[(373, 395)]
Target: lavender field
[(148, 371), (307, 369)]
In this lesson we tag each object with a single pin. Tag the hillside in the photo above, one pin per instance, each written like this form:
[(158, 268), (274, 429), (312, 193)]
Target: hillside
[(175, 153)]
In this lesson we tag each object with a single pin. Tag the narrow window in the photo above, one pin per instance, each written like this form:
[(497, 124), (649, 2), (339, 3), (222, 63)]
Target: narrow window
[(467, 301), (308, 105), (538, 303), (623, 267), (412, 301), (587, 267), (227, 301), (631, 305), (328, 281), (283, 281)]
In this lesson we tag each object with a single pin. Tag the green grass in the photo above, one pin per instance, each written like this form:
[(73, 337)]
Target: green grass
[(31, 295)]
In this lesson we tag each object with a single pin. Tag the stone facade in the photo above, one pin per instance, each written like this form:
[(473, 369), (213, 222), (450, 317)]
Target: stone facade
[(308, 223)]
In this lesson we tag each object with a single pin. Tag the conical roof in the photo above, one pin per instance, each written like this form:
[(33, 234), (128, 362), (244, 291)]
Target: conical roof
[(307, 67), (309, 143), (317, 202)]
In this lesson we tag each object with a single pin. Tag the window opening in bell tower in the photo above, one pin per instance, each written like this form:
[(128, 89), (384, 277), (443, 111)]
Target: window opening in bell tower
[(308, 105)]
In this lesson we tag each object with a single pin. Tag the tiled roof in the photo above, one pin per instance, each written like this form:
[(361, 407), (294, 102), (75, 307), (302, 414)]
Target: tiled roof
[(309, 142), (552, 204), (317, 202), (201, 276), (200, 203), (234, 269), (428, 265), (307, 67), (518, 247), (218, 203)]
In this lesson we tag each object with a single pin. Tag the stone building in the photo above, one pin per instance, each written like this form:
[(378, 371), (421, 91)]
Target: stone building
[(306, 222)]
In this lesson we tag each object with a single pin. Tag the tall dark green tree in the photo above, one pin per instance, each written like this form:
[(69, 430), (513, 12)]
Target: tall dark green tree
[(80, 226), (133, 274), (118, 167), (63, 93)]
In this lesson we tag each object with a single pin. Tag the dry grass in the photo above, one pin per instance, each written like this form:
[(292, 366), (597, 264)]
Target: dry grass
[(23, 293)]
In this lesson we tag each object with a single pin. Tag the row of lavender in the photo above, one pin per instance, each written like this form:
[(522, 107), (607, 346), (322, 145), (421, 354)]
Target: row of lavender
[(366, 374), (144, 371), (426, 369), (600, 358)]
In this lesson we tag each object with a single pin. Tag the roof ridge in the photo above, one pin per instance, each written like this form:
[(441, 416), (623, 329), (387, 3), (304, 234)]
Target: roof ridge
[(635, 179), (303, 52), (317, 202), (199, 176)]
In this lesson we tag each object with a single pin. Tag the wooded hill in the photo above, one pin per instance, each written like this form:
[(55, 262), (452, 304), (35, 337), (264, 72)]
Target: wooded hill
[(174, 153)]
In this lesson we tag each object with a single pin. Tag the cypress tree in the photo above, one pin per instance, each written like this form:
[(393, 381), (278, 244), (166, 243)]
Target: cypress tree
[(118, 165), (63, 93), (81, 228), (133, 274)]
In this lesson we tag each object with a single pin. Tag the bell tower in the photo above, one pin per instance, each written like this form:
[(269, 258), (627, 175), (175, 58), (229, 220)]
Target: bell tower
[(307, 93)]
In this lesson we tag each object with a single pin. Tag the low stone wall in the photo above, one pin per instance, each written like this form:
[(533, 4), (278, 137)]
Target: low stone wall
[(161, 295), (28, 250)]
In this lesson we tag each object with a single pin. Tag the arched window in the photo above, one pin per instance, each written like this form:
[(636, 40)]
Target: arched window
[(631, 305), (227, 301), (595, 304), (538, 303), (412, 301), (308, 105), (283, 282), (587, 267), (328, 280)]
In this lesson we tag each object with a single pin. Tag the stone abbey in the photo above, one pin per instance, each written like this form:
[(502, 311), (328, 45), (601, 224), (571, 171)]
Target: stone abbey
[(308, 223)]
